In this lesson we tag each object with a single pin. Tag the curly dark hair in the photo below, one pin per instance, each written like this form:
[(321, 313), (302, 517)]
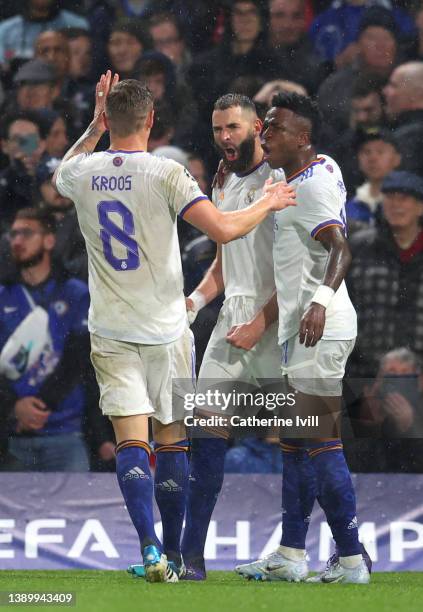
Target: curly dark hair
[(303, 106)]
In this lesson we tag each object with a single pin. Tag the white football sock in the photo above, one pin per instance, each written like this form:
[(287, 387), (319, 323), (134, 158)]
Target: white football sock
[(293, 554), (351, 562)]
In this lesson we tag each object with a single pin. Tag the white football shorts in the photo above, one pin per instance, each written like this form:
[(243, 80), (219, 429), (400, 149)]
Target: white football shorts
[(137, 378), (316, 370), (224, 361)]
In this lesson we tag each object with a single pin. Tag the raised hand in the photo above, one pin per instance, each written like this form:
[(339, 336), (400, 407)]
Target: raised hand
[(400, 410), (102, 89)]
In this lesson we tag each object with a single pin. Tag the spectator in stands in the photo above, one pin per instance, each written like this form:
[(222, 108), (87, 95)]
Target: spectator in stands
[(288, 39), (392, 406), (287, 25), (36, 86), (242, 52), (168, 39), (335, 31), (53, 47), (404, 106), (42, 387), (51, 198), (366, 113), (103, 15), (158, 73), (53, 132), (80, 79), (127, 42), (80, 53), (163, 129), (385, 280), (197, 168), (389, 419), (377, 156), (203, 21), (400, 393), (18, 34), (366, 109), (23, 145), (69, 246), (377, 56)]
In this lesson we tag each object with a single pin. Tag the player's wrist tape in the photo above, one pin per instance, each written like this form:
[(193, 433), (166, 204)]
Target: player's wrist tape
[(198, 299), (323, 295)]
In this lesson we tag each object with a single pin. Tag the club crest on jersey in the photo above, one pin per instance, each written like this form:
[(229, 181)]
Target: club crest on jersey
[(250, 197), (117, 161)]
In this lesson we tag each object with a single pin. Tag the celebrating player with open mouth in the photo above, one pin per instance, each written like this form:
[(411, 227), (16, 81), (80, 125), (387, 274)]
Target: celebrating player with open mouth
[(317, 330), (127, 203), (243, 346)]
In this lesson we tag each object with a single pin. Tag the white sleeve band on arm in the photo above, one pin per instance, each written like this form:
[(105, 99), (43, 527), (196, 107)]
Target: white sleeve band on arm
[(323, 295), (198, 299)]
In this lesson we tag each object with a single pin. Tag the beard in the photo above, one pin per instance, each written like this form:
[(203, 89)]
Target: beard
[(245, 155), (24, 264)]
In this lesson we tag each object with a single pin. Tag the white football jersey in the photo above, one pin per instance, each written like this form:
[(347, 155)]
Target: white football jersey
[(247, 263), (300, 260), (127, 205)]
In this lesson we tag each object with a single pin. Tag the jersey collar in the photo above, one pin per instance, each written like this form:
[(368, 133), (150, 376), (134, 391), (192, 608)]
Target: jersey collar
[(256, 167), (315, 162)]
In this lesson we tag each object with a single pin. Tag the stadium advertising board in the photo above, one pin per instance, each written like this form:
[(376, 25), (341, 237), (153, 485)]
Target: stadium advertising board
[(59, 521)]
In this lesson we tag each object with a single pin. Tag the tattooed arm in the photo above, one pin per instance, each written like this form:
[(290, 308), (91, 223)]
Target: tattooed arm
[(89, 139)]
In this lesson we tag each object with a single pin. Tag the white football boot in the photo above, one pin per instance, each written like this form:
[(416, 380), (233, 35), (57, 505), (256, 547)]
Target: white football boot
[(275, 567), (336, 572), (157, 568)]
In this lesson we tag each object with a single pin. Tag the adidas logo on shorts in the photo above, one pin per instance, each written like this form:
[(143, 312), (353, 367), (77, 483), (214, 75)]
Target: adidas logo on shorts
[(136, 472)]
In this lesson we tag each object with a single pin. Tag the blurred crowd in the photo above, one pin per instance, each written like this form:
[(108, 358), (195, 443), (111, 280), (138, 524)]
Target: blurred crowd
[(361, 60)]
